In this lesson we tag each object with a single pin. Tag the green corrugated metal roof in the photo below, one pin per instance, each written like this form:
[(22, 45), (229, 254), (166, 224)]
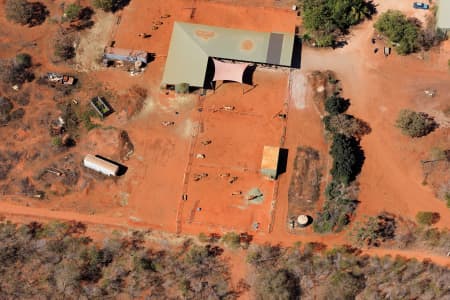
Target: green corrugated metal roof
[(192, 44), (443, 15)]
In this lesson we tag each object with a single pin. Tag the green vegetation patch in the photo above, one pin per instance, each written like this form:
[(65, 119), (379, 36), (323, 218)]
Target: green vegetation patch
[(325, 21)]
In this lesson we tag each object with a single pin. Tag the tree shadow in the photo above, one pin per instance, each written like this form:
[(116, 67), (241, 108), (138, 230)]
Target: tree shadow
[(435, 218), (120, 4), (86, 13), (372, 9), (39, 13)]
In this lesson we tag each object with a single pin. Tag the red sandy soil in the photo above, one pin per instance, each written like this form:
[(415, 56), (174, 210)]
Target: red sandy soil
[(152, 187), (391, 177)]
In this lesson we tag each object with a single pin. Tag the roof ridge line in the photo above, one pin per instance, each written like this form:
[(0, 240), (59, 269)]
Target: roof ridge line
[(191, 37)]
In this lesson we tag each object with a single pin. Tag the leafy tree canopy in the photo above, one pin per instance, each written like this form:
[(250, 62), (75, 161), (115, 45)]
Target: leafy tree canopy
[(402, 32), (326, 20)]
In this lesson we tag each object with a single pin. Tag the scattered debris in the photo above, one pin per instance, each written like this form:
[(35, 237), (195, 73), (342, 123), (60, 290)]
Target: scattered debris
[(228, 108), (167, 123), (232, 179), (60, 78), (430, 93), (236, 193), (207, 142), (198, 176), (54, 171), (255, 195)]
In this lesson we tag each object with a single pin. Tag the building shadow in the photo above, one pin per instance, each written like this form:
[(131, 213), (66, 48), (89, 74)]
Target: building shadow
[(122, 168), (247, 77), (282, 161), (297, 53)]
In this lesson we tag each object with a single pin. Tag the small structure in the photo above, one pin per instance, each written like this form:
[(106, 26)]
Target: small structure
[(113, 54), (387, 51), (302, 220), (100, 165), (60, 78), (443, 16), (269, 164), (100, 106)]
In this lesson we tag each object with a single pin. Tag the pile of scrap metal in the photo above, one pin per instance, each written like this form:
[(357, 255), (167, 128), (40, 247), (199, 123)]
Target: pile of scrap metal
[(60, 78)]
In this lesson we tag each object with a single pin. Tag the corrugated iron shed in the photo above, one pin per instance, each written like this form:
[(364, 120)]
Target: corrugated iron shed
[(192, 44)]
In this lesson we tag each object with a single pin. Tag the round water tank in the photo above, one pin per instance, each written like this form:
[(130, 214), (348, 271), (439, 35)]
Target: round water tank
[(302, 220)]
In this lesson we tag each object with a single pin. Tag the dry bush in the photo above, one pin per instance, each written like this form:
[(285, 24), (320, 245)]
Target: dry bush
[(63, 46)]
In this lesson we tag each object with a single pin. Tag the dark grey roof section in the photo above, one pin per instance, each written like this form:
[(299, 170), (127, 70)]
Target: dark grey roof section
[(275, 47)]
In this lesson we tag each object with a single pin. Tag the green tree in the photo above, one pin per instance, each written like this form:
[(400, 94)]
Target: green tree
[(336, 105), (23, 60), (427, 217), (72, 11), (415, 124), (231, 239), (326, 20), (347, 158), (400, 31), (106, 5)]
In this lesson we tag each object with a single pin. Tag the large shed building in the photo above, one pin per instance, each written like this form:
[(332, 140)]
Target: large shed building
[(443, 15), (195, 47), (100, 165)]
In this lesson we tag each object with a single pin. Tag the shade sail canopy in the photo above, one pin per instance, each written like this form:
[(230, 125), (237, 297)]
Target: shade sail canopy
[(228, 71)]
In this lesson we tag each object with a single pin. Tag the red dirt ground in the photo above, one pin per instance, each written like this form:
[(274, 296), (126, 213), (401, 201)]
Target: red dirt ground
[(150, 192)]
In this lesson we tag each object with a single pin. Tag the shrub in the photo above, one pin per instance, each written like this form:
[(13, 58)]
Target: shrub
[(402, 32), (231, 239), (5, 106), (23, 60), (344, 285), (57, 141), (17, 114), (336, 105), (110, 5), (415, 124), (427, 217), (18, 11), (375, 230), (24, 12), (348, 158), (106, 5), (202, 237), (12, 72), (278, 284), (63, 46), (72, 11), (346, 124)]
